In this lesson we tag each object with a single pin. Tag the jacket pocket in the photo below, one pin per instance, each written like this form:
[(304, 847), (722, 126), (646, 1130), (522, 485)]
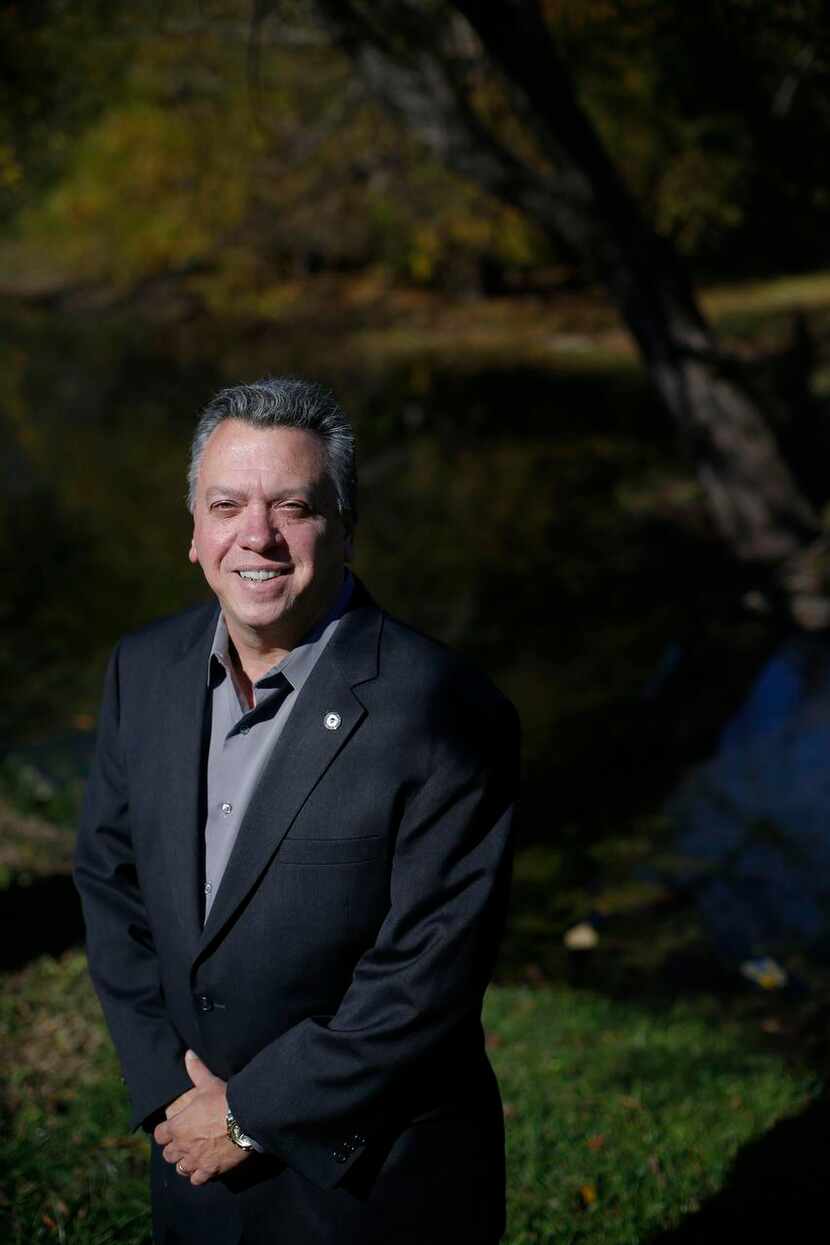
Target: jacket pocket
[(351, 851)]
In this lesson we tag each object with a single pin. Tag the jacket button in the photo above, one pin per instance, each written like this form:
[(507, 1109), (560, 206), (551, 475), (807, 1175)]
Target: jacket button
[(204, 1003)]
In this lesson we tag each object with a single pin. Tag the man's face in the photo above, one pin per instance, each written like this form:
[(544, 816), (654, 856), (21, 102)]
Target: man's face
[(267, 533)]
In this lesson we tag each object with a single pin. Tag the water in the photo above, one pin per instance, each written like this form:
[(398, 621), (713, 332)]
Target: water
[(497, 514)]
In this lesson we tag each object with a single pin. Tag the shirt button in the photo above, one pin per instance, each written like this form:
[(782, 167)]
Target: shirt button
[(208, 887), (243, 730), (226, 808)]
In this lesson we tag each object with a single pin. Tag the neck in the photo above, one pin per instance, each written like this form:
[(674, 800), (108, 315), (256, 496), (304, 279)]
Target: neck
[(252, 661), (254, 653), (246, 674)]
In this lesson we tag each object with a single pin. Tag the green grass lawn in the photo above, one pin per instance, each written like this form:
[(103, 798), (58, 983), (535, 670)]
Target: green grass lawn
[(70, 1170), (620, 1120)]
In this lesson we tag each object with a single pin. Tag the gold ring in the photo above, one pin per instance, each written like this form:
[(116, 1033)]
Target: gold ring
[(180, 1169)]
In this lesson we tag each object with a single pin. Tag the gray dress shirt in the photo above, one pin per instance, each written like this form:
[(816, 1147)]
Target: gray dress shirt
[(242, 738)]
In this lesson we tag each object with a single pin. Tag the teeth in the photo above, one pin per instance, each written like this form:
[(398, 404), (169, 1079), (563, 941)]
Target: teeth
[(258, 576)]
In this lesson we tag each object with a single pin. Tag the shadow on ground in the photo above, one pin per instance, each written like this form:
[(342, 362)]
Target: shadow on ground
[(776, 1185), (41, 918)]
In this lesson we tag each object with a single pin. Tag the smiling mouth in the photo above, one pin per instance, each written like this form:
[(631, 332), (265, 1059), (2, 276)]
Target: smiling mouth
[(259, 577)]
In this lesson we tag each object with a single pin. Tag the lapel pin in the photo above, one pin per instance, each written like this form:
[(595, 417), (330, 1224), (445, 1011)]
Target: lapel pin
[(331, 721)]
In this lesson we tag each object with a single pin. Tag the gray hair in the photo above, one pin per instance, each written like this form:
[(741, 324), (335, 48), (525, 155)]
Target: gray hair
[(285, 402)]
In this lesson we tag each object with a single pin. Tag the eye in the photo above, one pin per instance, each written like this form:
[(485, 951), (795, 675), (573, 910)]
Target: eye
[(223, 506)]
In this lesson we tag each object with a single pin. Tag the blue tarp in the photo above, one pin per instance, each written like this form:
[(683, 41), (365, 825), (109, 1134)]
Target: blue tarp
[(753, 823)]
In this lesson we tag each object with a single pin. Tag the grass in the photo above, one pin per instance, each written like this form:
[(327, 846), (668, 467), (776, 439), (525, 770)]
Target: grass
[(806, 291), (70, 1170), (571, 330), (620, 1119)]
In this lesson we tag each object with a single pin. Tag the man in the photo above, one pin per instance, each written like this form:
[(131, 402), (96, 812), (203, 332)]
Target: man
[(293, 862)]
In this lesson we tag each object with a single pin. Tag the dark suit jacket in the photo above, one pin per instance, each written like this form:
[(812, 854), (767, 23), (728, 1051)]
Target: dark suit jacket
[(337, 983)]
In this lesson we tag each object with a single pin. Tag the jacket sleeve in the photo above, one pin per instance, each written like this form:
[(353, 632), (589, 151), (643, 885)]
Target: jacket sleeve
[(315, 1095), (122, 956)]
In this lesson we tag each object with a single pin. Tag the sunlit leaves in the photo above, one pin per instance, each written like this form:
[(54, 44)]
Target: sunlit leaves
[(245, 172)]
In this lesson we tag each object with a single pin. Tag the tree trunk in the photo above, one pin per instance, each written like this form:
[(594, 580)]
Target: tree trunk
[(419, 67), (760, 510)]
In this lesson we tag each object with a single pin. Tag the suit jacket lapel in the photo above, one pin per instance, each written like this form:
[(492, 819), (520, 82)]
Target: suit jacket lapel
[(181, 734), (303, 753)]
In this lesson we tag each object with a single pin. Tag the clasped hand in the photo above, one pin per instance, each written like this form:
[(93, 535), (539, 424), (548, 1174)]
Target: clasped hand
[(195, 1133)]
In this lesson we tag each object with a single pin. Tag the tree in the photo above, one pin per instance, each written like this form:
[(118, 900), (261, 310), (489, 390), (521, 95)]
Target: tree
[(441, 64)]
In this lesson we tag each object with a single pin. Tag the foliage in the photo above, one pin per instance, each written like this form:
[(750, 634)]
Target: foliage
[(55, 795), (60, 65), (30, 847), (193, 166), (140, 142), (712, 111)]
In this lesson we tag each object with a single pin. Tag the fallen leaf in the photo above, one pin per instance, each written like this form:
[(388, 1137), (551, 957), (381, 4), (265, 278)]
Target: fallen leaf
[(588, 1195), (581, 937), (765, 972), (119, 1143), (510, 1111), (597, 1142)]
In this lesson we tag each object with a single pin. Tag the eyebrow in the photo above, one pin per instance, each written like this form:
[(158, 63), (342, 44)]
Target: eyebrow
[(220, 490)]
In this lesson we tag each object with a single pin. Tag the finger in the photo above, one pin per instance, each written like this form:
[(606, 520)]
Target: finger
[(163, 1133), (200, 1176), (179, 1104), (197, 1070), (172, 1153)]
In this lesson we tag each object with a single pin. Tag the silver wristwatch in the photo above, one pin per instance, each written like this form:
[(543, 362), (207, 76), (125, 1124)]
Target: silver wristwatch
[(236, 1134)]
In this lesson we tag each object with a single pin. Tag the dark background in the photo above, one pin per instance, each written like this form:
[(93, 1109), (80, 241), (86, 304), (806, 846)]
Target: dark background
[(195, 194)]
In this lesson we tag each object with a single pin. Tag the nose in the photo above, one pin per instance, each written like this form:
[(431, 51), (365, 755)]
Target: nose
[(258, 532)]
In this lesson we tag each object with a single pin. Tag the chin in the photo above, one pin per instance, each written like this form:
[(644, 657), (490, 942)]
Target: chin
[(267, 622)]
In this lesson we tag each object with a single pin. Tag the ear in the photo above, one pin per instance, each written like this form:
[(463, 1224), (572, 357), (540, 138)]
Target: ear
[(191, 553)]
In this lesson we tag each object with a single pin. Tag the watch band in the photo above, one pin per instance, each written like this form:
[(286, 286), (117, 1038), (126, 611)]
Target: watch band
[(235, 1133)]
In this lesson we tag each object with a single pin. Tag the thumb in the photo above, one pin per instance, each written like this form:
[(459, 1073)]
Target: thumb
[(197, 1070)]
